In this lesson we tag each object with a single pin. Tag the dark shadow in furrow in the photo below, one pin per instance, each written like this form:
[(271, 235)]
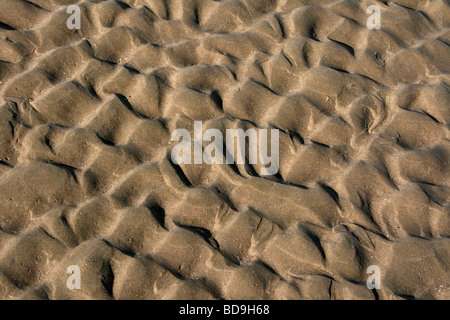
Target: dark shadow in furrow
[(333, 194), (105, 141), (107, 276), (345, 46), (202, 232), (215, 97), (233, 165), (6, 26), (159, 214), (316, 240), (225, 198), (180, 174), (71, 170), (127, 104), (280, 23), (123, 5)]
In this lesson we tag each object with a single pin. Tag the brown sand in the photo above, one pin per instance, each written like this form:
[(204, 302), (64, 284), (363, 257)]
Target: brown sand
[(86, 179)]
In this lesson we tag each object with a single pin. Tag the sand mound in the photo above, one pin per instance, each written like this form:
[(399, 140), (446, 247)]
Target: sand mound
[(86, 177)]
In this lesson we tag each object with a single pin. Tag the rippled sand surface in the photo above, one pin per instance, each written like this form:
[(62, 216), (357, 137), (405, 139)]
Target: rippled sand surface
[(86, 177)]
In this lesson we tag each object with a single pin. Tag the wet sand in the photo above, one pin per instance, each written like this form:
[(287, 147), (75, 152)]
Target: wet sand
[(86, 176)]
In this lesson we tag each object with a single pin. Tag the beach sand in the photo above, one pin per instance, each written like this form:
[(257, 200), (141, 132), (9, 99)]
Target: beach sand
[(87, 179)]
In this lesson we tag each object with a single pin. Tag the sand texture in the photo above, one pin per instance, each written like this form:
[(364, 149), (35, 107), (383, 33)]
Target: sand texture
[(86, 177)]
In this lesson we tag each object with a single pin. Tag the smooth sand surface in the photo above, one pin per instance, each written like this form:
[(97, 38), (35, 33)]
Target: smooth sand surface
[(86, 177)]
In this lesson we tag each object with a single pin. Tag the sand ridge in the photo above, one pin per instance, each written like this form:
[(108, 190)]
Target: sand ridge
[(86, 177)]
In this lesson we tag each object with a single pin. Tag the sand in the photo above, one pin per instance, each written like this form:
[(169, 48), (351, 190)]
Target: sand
[(86, 177)]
